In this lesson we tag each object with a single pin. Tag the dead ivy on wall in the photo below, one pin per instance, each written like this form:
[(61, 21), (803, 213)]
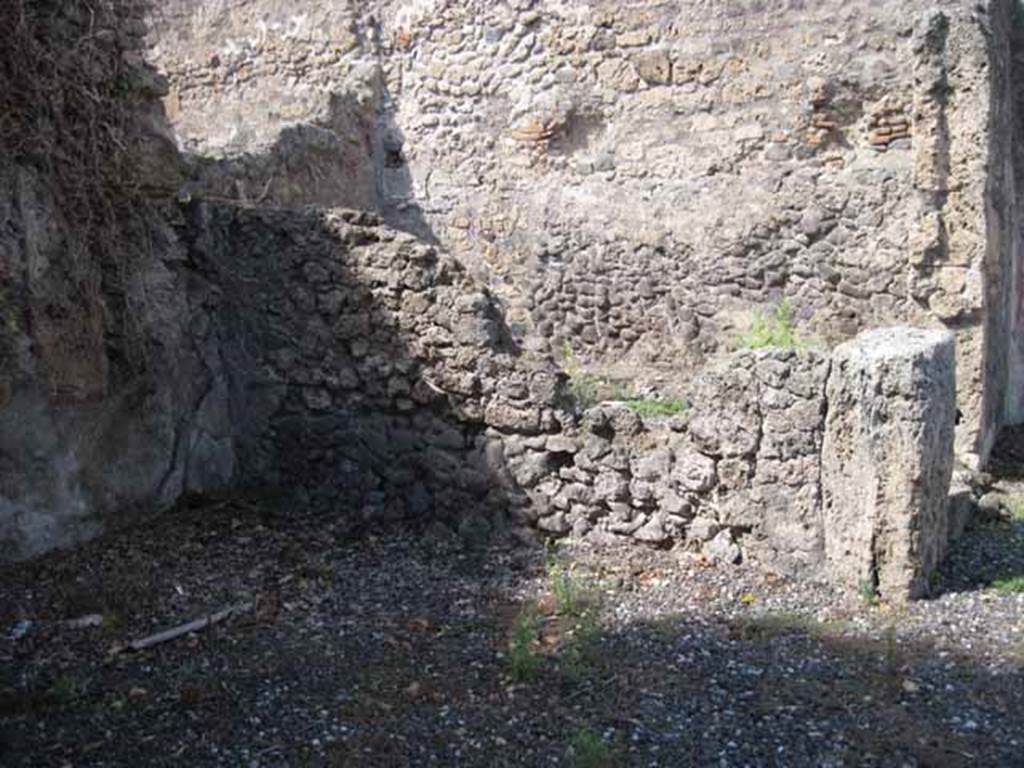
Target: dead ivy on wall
[(69, 100)]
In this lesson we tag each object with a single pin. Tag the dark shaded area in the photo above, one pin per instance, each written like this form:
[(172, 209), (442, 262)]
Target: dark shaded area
[(992, 552), (349, 367), (359, 369), (87, 178), (1007, 460), (393, 653)]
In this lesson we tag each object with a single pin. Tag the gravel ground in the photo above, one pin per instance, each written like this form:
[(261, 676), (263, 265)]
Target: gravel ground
[(394, 652)]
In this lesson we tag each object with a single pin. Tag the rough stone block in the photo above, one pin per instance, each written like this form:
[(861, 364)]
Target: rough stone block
[(887, 459)]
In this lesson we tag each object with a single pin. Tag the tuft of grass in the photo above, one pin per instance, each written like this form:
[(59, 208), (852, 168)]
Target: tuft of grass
[(587, 749), (1014, 505), (665, 627), (580, 655), (588, 389), (523, 660), (768, 626), (868, 592), (65, 690), (654, 408), (566, 588), (777, 330), (1012, 586), (573, 595), (890, 655), (579, 612), (583, 386), (62, 693)]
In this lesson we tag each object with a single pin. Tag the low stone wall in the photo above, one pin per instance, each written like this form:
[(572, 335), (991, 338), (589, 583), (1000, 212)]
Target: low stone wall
[(360, 368), (365, 370), (743, 460), (835, 466)]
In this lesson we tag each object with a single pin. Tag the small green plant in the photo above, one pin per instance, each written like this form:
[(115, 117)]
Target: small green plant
[(779, 330), (64, 689), (655, 408), (890, 651), (587, 749), (1012, 586), (665, 627), (769, 625), (580, 656), (588, 389), (584, 387), (524, 661), (868, 592), (1015, 507), (566, 588), (620, 391), (571, 593)]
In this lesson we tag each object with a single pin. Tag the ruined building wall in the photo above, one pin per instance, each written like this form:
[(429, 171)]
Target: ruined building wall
[(637, 177), (631, 179), (360, 370), (97, 373)]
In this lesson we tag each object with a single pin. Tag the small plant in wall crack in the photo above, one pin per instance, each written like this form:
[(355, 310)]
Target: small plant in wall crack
[(583, 386), (868, 592), (657, 407), (777, 330), (588, 389)]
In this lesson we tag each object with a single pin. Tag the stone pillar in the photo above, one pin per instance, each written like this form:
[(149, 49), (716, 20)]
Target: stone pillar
[(887, 459)]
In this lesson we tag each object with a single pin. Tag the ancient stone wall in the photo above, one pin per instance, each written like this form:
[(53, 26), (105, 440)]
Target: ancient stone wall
[(96, 368), (528, 174), (368, 374), (637, 178), (359, 368), (743, 459)]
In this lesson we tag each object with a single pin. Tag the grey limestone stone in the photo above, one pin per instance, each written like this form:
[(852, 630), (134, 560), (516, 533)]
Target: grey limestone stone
[(723, 549), (887, 459), (702, 529)]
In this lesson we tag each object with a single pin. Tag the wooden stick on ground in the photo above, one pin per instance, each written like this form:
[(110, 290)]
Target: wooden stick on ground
[(184, 629)]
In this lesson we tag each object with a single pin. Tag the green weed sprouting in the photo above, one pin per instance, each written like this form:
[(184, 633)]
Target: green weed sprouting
[(566, 588), (778, 330), (588, 389), (583, 386), (654, 408), (587, 749), (1012, 586), (524, 661), (868, 592)]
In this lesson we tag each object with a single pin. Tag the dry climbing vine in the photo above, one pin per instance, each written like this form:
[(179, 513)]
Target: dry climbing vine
[(67, 103)]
